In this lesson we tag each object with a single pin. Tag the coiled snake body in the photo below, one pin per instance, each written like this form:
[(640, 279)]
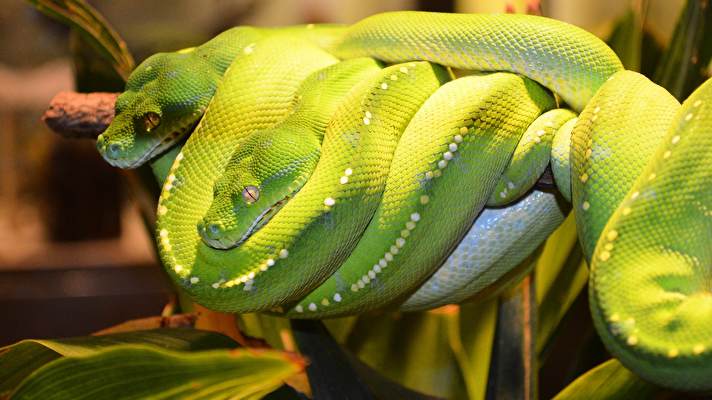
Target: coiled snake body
[(320, 182)]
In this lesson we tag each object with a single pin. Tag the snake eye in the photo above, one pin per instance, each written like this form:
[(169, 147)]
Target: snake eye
[(250, 194), (151, 120)]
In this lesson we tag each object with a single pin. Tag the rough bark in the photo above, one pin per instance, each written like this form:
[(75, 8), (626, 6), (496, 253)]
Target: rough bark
[(80, 115)]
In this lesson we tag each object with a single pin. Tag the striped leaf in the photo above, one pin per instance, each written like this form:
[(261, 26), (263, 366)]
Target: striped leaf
[(148, 372), (19, 360)]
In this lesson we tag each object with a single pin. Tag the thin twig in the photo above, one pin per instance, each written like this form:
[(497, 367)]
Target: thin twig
[(86, 115)]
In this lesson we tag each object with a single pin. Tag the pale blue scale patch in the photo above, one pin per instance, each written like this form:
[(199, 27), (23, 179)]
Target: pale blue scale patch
[(191, 101), (497, 242)]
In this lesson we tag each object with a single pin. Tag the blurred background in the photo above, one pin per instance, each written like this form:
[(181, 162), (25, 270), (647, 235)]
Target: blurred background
[(74, 254)]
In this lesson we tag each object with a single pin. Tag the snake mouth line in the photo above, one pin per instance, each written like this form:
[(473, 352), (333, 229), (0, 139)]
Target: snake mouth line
[(157, 149), (170, 140), (264, 218), (225, 243)]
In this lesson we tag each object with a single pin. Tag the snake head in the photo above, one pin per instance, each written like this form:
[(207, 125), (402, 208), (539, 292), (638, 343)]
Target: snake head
[(261, 177), (165, 97)]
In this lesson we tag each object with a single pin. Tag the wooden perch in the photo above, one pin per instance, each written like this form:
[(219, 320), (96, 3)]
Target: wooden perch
[(86, 115), (80, 115)]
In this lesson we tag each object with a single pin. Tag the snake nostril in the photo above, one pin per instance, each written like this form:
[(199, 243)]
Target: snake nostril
[(210, 231), (214, 230), (113, 150)]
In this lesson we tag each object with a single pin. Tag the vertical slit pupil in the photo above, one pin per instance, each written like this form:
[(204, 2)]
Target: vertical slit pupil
[(250, 194), (152, 120)]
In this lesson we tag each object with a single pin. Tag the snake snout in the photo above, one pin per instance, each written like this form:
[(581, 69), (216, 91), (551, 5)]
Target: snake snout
[(112, 152), (214, 235)]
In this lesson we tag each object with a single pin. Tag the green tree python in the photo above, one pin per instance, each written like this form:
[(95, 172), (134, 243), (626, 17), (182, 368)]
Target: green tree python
[(333, 170)]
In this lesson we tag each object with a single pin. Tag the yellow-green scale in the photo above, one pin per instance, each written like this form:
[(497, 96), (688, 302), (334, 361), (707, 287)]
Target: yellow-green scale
[(611, 143), (256, 92), (651, 273), (566, 59), (530, 158), (278, 161), (433, 193), (316, 229)]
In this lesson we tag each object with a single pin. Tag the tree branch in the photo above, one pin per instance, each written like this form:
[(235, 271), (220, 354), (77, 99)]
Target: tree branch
[(80, 115), (86, 115)]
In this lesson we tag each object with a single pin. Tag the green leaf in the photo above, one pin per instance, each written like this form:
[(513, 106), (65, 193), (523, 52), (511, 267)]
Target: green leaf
[(682, 68), (411, 349), (92, 72), (471, 334), (340, 328), (145, 372), (19, 360), (561, 274), (610, 380), (627, 39), (93, 28), (557, 249), (274, 330), (558, 299)]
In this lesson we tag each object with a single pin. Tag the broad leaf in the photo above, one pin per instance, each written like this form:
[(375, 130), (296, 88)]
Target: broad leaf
[(682, 68), (411, 349), (19, 360), (609, 381), (471, 334), (145, 372), (558, 299), (627, 38), (560, 276), (557, 249), (274, 331), (340, 328), (150, 323), (92, 72), (93, 28)]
